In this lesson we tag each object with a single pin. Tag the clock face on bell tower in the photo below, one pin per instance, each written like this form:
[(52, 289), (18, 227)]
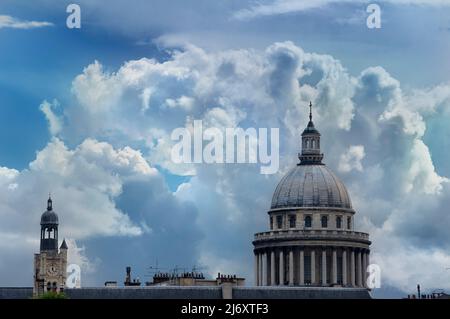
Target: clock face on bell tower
[(52, 270)]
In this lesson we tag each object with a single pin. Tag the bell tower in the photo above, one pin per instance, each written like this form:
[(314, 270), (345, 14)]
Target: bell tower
[(50, 264)]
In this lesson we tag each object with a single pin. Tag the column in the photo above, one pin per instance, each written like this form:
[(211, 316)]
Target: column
[(358, 269), (324, 267), (364, 268), (334, 270), (302, 267), (256, 269), (264, 281), (272, 268), (260, 269), (352, 269), (291, 267), (281, 268), (344, 267), (313, 267)]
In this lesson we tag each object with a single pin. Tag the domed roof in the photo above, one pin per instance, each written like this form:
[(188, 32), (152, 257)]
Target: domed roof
[(49, 216), (311, 186)]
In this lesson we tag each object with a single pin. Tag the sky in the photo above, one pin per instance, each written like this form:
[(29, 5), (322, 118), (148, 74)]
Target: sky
[(87, 115)]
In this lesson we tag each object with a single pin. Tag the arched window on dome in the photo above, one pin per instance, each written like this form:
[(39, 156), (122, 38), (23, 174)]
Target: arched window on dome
[(338, 222), (324, 221), (271, 223), (308, 222), (349, 222)]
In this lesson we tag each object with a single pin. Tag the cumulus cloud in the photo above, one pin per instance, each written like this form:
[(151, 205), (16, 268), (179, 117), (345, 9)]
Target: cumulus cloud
[(88, 177), (15, 23), (351, 159)]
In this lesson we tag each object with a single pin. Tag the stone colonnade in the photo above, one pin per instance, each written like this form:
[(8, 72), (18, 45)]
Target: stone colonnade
[(315, 266)]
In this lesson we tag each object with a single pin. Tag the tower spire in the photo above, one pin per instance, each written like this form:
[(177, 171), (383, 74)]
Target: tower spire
[(49, 202), (310, 111)]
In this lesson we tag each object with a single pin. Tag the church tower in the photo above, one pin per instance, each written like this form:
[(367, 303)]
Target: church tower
[(50, 263)]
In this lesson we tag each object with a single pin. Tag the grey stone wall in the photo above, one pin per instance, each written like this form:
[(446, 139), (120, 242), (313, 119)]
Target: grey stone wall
[(16, 292), (198, 293), (146, 293), (299, 293)]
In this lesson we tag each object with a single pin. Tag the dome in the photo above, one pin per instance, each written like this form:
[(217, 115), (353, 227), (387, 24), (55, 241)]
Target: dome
[(311, 186), (49, 217)]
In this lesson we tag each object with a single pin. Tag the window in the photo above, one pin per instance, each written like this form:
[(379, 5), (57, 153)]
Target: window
[(271, 223), (279, 221), (349, 222), (324, 221), (292, 221), (308, 221), (338, 222)]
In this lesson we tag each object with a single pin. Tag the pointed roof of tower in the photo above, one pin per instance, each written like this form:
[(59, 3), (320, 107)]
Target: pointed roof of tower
[(63, 245)]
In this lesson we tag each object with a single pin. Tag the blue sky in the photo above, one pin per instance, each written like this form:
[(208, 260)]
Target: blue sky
[(391, 96)]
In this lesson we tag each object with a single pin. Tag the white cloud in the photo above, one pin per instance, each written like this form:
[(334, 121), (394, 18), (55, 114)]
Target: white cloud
[(7, 175), (280, 7), (89, 178), (96, 91), (123, 161), (184, 102), (351, 159), (277, 7), (404, 266), (55, 122), (14, 23), (422, 174), (77, 255)]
